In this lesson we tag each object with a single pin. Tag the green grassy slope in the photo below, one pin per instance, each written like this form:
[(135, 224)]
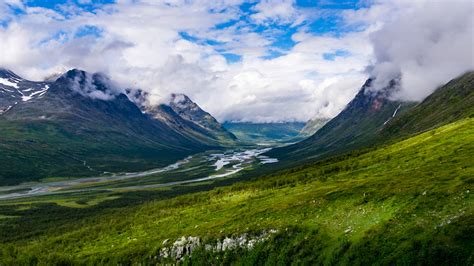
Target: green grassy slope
[(360, 125), (312, 126), (449, 103), (407, 203), (32, 150)]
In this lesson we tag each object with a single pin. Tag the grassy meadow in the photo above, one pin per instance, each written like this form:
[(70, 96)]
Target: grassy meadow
[(407, 203)]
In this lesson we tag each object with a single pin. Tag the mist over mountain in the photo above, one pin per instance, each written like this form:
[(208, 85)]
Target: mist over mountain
[(355, 127), (426, 46), (89, 124)]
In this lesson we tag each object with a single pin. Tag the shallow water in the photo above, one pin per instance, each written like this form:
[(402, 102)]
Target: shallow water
[(225, 164)]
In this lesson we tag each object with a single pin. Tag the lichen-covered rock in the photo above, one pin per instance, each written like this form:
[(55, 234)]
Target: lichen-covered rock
[(184, 246)]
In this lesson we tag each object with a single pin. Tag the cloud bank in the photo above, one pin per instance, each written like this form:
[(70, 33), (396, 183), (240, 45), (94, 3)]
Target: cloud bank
[(426, 45)]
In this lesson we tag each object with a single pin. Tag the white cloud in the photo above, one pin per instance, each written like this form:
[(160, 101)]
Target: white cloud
[(140, 45), (428, 43), (277, 11)]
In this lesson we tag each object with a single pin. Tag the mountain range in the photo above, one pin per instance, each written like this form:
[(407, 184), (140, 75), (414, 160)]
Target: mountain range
[(372, 117), (385, 182), (82, 124)]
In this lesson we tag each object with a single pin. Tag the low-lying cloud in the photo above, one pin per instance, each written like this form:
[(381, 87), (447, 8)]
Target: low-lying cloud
[(426, 45), (95, 86)]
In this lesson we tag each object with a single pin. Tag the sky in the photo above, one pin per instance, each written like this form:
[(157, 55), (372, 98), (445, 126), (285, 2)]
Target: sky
[(247, 61)]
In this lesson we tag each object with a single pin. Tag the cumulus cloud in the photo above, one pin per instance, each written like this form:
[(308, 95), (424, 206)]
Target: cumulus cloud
[(140, 45), (428, 44), (168, 47), (277, 11)]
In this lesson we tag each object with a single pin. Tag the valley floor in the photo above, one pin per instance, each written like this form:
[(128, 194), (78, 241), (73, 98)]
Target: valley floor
[(407, 203)]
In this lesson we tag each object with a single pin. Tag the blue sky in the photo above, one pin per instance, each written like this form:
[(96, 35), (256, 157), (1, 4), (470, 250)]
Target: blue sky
[(323, 18), (261, 61)]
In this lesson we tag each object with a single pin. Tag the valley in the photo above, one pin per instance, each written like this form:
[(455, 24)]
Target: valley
[(168, 184), (197, 168), (348, 209), (246, 132)]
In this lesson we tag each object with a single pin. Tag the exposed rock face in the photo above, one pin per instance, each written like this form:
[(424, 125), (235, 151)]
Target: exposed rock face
[(185, 246), (189, 110), (181, 247), (185, 116)]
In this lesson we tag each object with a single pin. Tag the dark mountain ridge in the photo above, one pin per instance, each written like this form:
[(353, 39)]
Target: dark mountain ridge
[(449, 103), (82, 125), (372, 118), (352, 128)]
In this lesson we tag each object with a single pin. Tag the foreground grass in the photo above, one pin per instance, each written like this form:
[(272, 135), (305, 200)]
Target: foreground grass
[(407, 203)]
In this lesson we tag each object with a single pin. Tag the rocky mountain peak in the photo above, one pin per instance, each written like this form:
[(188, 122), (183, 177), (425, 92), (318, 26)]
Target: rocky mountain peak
[(8, 74), (15, 90), (95, 85)]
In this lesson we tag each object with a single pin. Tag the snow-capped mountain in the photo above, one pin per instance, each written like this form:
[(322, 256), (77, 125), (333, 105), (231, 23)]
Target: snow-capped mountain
[(82, 121), (14, 89)]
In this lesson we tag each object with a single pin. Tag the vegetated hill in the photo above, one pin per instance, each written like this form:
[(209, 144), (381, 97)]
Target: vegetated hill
[(353, 128), (449, 103), (312, 126), (265, 133), (81, 125), (407, 203)]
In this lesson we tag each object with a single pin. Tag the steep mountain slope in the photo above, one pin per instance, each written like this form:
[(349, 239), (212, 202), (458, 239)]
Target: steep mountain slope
[(14, 89), (447, 104), (265, 132), (83, 125), (186, 117), (312, 126), (353, 128), (189, 110)]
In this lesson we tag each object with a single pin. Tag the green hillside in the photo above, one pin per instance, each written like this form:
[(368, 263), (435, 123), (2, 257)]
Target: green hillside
[(372, 119), (65, 133), (449, 103), (354, 127), (407, 203), (312, 126)]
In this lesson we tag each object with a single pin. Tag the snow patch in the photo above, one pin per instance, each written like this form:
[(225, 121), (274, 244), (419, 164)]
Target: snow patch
[(8, 83), (26, 98), (393, 115)]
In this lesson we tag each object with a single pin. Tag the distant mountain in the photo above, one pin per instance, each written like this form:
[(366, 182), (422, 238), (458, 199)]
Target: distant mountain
[(447, 104), (312, 126), (190, 111), (357, 125), (265, 132), (81, 124), (184, 116)]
